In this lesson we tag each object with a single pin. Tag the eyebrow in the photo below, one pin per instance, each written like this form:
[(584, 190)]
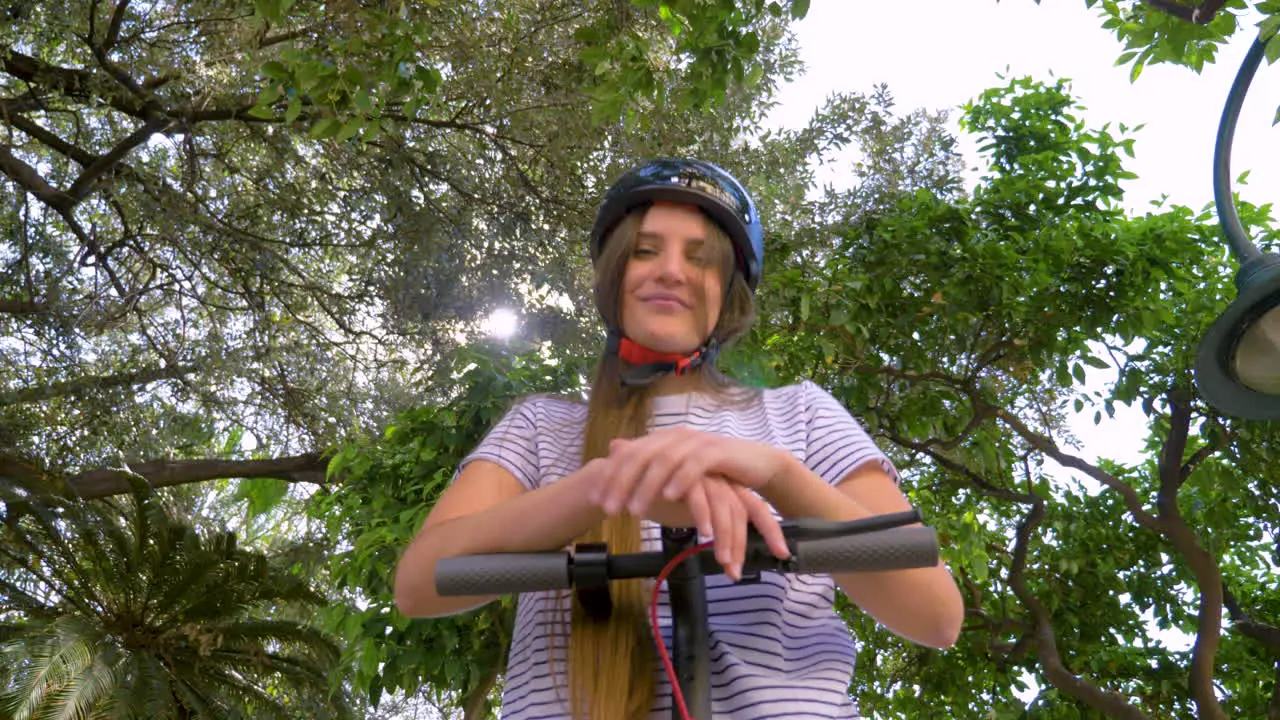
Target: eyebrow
[(643, 235)]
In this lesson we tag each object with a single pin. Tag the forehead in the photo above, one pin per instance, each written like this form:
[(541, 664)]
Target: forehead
[(683, 222)]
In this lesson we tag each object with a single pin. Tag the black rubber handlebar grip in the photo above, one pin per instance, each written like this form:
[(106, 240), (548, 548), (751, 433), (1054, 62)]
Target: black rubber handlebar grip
[(502, 573), (895, 549)]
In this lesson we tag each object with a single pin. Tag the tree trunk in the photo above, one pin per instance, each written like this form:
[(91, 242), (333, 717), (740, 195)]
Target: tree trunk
[(475, 706), (1273, 709)]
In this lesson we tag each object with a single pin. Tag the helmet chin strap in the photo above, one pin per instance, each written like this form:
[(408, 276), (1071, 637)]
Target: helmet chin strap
[(644, 365)]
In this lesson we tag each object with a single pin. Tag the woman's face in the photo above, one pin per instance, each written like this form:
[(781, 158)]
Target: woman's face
[(672, 290)]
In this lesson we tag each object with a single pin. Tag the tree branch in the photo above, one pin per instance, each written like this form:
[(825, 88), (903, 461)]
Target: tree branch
[(113, 31), (1203, 565), (62, 147), (476, 703), (104, 163), (1201, 14), (25, 102), (1273, 708), (22, 307), (29, 178), (1056, 672), (1047, 446), (76, 83), (1206, 451), (963, 470), (308, 468), (1169, 462), (1241, 622), (37, 72), (94, 382)]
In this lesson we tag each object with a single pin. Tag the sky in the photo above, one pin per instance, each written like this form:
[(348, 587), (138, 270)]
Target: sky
[(939, 54)]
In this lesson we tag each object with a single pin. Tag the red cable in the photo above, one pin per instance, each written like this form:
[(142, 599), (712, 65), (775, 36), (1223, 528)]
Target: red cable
[(676, 695)]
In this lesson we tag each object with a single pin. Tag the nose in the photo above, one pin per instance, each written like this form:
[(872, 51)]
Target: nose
[(673, 267)]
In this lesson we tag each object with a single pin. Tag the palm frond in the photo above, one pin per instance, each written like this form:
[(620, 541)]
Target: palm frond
[(84, 692), (52, 665), (126, 611), (146, 691), (62, 569), (302, 637), (190, 697), (27, 605), (108, 554), (256, 701)]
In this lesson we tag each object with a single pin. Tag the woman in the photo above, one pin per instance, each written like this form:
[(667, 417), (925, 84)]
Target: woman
[(666, 440)]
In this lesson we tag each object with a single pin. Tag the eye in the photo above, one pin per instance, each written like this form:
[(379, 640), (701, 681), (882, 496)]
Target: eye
[(643, 251)]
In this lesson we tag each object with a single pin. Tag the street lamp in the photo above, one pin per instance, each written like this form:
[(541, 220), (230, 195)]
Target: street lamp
[(1238, 365)]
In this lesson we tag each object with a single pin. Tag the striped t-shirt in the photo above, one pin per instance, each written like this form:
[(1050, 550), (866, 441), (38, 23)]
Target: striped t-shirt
[(777, 647)]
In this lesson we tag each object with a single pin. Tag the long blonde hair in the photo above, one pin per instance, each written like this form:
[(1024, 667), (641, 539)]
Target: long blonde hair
[(611, 662)]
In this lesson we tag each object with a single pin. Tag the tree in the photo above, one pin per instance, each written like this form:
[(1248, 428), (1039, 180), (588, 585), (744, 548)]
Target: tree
[(272, 221), (964, 343), (116, 609), (1182, 33), (238, 234)]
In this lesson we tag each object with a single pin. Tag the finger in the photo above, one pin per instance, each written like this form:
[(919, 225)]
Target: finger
[(674, 453), (627, 463), (761, 515), (700, 509), (660, 464), (695, 455), (596, 484), (739, 533), (722, 519)]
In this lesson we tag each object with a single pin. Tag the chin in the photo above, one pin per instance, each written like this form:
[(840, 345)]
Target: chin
[(667, 343)]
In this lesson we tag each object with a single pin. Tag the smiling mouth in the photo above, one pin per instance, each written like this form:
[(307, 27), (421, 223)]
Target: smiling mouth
[(666, 302)]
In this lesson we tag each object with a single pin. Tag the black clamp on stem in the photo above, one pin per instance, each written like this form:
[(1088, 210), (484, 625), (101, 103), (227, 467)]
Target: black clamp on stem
[(591, 579)]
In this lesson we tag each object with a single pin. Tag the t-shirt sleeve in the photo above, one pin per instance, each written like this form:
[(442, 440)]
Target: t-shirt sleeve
[(835, 443), (512, 444)]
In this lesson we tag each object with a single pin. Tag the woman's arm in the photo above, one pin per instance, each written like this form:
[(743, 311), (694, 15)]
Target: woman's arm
[(922, 605), (486, 510)]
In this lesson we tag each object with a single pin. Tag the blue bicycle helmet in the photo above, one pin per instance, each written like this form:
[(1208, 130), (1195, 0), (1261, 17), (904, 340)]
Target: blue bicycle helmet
[(688, 182)]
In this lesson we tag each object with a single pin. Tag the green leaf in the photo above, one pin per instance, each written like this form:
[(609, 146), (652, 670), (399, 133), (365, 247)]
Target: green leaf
[(263, 494), (799, 8), (268, 9), (232, 443), (294, 109), (269, 95), (325, 128), (350, 128), (1272, 50), (258, 111), (275, 69), (306, 74), (1136, 70), (1126, 56), (1096, 362)]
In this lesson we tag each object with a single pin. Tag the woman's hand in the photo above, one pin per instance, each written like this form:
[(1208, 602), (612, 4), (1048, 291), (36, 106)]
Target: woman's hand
[(666, 463)]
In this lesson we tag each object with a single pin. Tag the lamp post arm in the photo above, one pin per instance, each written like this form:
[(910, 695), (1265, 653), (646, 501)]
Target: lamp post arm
[(1240, 244)]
